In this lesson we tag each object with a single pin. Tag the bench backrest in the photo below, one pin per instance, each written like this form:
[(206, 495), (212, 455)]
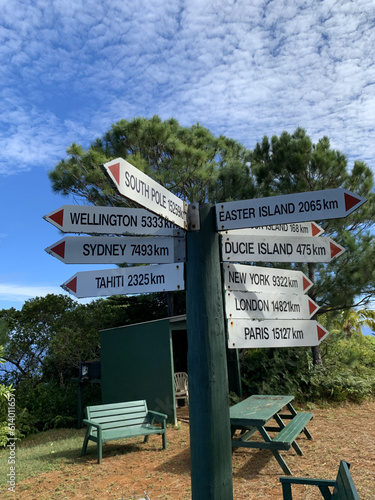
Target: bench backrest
[(129, 414), (345, 488)]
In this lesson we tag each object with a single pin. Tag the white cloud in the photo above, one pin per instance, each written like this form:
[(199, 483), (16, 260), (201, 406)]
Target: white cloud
[(14, 292), (241, 68)]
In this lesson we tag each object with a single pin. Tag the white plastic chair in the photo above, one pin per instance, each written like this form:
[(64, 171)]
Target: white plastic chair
[(181, 387)]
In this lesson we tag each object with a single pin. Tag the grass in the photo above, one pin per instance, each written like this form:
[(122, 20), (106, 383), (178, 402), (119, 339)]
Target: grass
[(43, 452)]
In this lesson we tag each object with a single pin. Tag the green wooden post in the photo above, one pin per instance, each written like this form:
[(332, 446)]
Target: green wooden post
[(210, 438)]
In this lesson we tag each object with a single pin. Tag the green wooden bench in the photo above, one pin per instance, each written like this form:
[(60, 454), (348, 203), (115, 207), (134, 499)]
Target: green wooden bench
[(286, 437), (122, 420), (343, 485)]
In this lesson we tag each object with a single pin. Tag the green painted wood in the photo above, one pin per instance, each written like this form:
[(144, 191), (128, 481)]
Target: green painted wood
[(345, 488), (257, 410), (137, 364), (210, 436), (343, 485), (289, 433), (119, 421)]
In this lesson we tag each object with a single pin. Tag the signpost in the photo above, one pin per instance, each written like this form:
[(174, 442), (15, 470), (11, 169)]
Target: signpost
[(296, 229), (298, 207), (126, 281), (245, 334), (118, 250), (261, 279), (253, 292), (139, 187), (258, 305), (279, 249), (110, 220)]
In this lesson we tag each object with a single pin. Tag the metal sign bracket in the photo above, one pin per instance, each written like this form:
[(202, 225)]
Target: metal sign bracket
[(193, 219)]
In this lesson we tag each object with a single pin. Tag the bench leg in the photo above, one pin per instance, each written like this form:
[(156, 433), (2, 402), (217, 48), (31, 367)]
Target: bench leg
[(276, 454), (164, 438), (100, 446), (282, 463), (326, 494), (297, 449), (85, 441), (287, 491)]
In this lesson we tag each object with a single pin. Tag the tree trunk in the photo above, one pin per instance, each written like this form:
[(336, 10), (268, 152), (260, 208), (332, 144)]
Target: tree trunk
[(317, 355)]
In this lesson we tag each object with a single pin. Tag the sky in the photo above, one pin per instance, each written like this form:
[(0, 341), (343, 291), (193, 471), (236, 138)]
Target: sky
[(245, 69)]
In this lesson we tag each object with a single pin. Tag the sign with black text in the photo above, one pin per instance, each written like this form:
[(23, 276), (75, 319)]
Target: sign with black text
[(266, 305), (135, 185), (110, 220), (279, 249), (251, 334), (126, 281), (297, 207), (119, 249), (296, 229), (262, 279)]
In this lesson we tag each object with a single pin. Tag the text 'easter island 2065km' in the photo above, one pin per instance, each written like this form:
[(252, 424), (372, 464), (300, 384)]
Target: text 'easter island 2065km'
[(298, 207)]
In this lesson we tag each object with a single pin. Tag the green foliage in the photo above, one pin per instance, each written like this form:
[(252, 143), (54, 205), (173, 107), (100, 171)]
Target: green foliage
[(44, 344), (347, 372), (189, 161)]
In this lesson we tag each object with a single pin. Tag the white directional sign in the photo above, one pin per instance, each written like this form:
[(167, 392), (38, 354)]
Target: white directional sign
[(126, 281), (296, 229), (110, 220), (247, 334), (258, 305), (279, 249), (118, 250), (139, 187), (263, 279), (298, 207)]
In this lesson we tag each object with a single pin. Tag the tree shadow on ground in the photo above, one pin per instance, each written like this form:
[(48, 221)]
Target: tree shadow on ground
[(178, 464), (248, 464)]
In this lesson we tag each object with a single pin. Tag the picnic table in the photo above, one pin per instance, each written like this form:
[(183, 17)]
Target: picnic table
[(252, 414)]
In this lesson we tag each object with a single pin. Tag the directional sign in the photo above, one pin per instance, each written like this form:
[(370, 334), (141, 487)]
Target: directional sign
[(126, 281), (298, 207), (262, 279), (279, 249), (110, 220), (118, 250), (139, 187), (247, 334), (258, 305), (296, 229)]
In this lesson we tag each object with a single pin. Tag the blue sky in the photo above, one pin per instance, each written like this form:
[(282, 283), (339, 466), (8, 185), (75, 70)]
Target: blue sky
[(243, 69)]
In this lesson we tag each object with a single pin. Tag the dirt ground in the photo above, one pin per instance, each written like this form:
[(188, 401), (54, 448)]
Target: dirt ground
[(130, 467)]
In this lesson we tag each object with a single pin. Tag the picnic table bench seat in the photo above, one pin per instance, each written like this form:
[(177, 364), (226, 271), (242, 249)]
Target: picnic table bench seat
[(122, 420), (343, 486), (286, 437)]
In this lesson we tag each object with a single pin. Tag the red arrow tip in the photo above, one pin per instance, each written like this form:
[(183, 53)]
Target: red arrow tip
[(321, 332), (312, 307), (315, 229), (335, 249), (59, 249), (72, 285), (115, 171), (58, 217), (350, 201), (306, 283)]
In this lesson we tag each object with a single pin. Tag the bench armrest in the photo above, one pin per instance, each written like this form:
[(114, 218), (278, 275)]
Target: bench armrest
[(91, 423), (307, 481), (158, 417)]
